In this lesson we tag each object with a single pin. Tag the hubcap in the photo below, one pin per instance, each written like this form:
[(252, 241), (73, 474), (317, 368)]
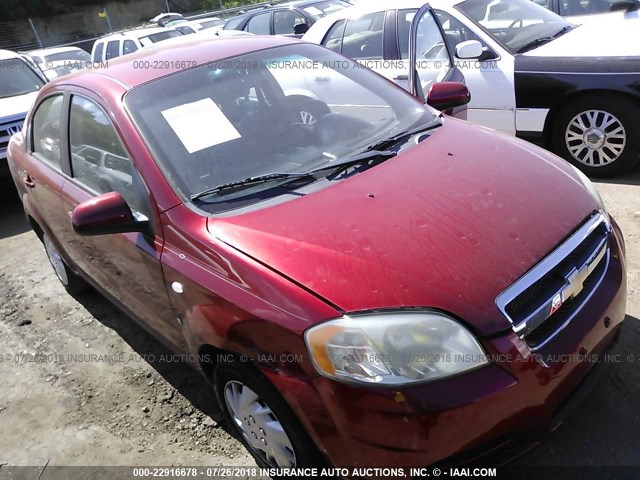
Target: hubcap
[(595, 138), (307, 118), (259, 425), (56, 260)]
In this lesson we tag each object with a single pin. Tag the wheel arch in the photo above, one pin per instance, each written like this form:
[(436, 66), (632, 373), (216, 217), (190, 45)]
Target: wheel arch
[(572, 97)]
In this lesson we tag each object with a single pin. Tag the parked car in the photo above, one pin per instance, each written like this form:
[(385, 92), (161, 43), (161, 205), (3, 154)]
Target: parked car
[(293, 18), (58, 61), (187, 27), (536, 76), (377, 35), (385, 270), (163, 18), (581, 11), (19, 86), (123, 43)]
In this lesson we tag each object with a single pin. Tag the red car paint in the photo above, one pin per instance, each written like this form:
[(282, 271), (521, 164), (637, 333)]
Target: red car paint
[(448, 224)]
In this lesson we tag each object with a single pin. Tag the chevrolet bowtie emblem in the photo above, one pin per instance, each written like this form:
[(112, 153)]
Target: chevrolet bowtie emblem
[(574, 285)]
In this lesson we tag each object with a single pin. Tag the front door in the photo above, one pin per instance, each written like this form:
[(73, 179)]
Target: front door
[(127, 266)]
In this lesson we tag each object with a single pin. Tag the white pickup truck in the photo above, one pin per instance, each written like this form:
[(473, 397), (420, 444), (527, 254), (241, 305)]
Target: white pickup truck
[(19, 85)]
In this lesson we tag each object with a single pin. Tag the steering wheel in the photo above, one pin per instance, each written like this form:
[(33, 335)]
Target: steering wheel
[(514, 23)]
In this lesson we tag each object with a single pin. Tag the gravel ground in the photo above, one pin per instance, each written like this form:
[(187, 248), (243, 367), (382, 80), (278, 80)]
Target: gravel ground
[(141, 411)]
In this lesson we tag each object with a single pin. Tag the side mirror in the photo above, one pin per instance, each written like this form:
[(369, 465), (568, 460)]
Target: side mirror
[(469, 49), (446, 95), (105, 214), (301, 28), (625, 6)]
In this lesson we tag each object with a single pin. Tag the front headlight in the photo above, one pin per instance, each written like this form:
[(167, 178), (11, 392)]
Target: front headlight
[(396, 348)]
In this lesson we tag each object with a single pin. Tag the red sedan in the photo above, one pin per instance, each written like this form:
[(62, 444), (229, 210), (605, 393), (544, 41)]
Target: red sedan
[(371, 285)]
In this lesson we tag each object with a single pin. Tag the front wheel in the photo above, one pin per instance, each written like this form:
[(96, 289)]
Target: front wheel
[(598, 134), (71, 282), (262, 419)]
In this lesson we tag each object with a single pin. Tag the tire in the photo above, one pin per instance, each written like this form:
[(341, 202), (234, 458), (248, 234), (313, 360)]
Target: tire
[(71, 282), (599, 134), (260, 413), (308, 110)]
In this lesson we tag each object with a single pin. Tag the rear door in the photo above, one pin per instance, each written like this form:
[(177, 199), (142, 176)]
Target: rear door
[(126, 266)]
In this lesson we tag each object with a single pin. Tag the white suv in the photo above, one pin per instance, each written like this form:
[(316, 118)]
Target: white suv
[(122, 43), (19, 85)]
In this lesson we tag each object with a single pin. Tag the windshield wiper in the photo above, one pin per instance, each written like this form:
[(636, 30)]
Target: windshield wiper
[(364, 157), (542, 40), (249, 182), (337, 167), (407, 134)]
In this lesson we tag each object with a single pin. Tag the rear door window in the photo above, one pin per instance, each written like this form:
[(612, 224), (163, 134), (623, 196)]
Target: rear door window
[(113, 49), (363, 37)]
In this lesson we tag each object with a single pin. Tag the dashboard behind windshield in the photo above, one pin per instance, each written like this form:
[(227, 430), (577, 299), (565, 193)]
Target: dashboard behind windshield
[(513, 23)]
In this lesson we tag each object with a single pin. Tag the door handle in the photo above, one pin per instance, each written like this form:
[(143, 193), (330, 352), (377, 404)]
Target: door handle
[(29, 182), (322, 79), (401, 77)]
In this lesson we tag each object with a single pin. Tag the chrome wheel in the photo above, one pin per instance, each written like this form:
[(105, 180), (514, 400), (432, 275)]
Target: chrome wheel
[(595, 138), (258, 424), (56, 260)]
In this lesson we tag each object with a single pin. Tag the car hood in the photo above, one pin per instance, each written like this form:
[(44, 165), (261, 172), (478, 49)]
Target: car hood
[(18, 105), (594, 39), (449, 224)]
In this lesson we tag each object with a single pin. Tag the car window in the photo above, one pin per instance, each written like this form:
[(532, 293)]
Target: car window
[(233, 23), (211, 24), (129, 46), (363, 36), (260, 24), (149, 40), (404, 19), (432, 55), (98, 159), (284, 21), (99, 50), (333, 39), (17, 78), (583, 7), (185, 30), (543, 3), (113, 49), (455, 32), (47, 132), (322, 9), (517, 24)]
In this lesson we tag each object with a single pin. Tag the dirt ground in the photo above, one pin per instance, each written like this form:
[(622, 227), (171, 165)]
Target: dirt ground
[(141, 411)]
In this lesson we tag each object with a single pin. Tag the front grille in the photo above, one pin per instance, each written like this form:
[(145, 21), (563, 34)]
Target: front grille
[(8, 127), (547, 297)]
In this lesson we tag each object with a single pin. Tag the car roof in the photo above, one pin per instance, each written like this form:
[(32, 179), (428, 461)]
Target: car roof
[(194, 50), (8, 54), (49, 51), (135, 33)]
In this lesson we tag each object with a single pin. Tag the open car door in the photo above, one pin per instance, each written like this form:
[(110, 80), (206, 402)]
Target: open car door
[(431, 63)]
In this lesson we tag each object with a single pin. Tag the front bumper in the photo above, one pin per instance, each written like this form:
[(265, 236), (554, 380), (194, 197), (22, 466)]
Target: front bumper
[(515, 400)]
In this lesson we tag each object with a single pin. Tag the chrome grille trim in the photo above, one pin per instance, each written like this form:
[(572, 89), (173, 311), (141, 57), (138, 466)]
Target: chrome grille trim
[(575, 276), (9, 126)]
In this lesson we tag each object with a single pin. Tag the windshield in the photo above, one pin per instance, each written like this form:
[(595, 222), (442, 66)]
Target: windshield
[(322, 9), (514, 23), (71, 55), (211, 23), (287, 109), (159, 37), (17, 78)]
